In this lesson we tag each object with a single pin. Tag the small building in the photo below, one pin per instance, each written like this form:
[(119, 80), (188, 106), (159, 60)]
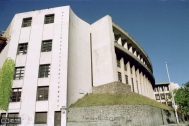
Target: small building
[(162, 92)]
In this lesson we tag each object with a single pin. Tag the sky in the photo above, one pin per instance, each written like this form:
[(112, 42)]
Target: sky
[(161, 27)]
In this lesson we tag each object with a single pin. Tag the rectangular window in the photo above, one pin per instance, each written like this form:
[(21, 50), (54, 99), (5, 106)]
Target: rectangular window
[(41, 118), (119, 77), (22, 49), (133, 85), (125, 67), (126, 78), (13, 115), (118, 64), (162, 96), (19, 73), (57, 119), (26, 22), (157, 96), (46, 46), (44, 71), (42, 93), (15, 95), (49, 19)]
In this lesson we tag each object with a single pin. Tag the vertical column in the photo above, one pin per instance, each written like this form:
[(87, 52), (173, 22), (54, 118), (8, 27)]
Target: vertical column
[(142, 83), (134, 79), (122, 70), (129, 73), (138, 79), (145, 85)]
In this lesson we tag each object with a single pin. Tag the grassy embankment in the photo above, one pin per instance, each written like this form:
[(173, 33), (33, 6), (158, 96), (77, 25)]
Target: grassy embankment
[(112, 99)]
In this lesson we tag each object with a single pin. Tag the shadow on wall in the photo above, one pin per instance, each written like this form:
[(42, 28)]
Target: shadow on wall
[(168, 117)]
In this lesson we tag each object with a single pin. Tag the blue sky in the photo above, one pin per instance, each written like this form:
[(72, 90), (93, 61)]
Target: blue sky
[(161, 27)]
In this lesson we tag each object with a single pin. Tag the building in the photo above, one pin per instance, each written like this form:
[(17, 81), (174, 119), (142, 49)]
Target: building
[(59, 58), (162, 92)]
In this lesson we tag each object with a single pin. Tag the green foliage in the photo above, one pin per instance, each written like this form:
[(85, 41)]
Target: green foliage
[(6, 77), (182, 98), (112, 99)]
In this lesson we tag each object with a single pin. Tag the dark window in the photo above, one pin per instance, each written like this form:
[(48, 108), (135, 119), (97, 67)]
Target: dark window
[(157, 96), (41, 118), (125, 67), (15, 95), (126, 78), (49, 19), (46, 46), (19, 73), (44, 71), (22, 49), (12, 115), (162, 96), (169, 103), (133, 85), (118, 63), (26, 22), (42, 93), (3, 114), (57, 119), (119, 77)]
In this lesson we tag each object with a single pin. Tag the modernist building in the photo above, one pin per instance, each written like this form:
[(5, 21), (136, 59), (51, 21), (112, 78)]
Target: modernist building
[(162, 92), (59, 58)]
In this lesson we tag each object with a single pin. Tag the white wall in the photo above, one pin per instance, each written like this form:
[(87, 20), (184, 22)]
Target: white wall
[(103, 53), (79, 59)]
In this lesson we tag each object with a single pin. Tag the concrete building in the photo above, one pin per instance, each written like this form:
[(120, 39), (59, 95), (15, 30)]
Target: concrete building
[(162, 92), (59, 58)]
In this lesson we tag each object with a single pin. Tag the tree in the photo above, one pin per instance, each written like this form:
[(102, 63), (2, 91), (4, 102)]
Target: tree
[(6, 77), (182, 98)]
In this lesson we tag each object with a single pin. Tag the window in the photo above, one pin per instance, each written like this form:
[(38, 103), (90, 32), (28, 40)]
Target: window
[(26, 22), (14, 116), (42, 93), (44, 71), (118, 63), (157, 96), (57, 119), (137, 86), (119, 77), (125, 67), (22, 48), (46, 46), (162, 96), (126, 78), (133, 85), (49, 19), (41, 118), (15, 95), (169, 103), (19, 73)]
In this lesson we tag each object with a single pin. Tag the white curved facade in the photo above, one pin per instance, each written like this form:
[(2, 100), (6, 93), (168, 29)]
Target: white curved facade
[(81, 56)]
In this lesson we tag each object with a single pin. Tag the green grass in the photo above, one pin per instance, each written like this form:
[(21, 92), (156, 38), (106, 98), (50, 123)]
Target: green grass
[(112, 99)]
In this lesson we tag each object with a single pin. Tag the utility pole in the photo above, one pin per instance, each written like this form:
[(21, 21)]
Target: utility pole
[(173, 100)]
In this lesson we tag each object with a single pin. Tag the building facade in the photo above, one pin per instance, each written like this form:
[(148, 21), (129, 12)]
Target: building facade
[(59, 58), (162, 92)]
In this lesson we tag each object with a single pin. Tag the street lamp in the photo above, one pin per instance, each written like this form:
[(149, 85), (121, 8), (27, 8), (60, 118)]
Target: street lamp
[(173, 100)]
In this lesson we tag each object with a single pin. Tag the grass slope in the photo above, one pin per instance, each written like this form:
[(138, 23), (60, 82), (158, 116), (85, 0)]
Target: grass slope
[(112, 99)]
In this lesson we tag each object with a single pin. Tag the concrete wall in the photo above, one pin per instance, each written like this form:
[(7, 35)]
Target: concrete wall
[(103, 52), (79, 59), (119, 115)]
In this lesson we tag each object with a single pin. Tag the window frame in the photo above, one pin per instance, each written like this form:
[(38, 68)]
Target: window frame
[(49, 19), (43, 91), (39, 119), (119, 77), (24, 50), (16, 93), (57, 118), (46, 47), (19, 73), (157, 96), (126, 79), (26, 22), (44, 73)]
